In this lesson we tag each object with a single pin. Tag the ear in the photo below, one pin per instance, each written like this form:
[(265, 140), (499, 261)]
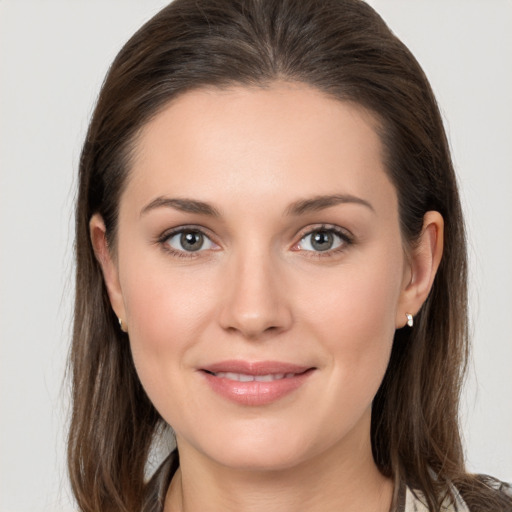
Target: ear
[(109, 268), (423, 262)]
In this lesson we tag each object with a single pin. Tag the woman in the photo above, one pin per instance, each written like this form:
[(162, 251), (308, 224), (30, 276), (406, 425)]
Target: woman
[(271, 261)]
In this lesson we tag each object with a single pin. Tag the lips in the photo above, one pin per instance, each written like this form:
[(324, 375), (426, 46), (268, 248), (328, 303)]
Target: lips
[(255, 383), (243, 377)]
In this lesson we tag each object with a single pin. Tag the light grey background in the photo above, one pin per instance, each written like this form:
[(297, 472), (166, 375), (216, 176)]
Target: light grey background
[(53, 56)]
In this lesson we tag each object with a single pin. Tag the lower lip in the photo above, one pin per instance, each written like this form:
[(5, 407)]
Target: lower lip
[(256, 393)]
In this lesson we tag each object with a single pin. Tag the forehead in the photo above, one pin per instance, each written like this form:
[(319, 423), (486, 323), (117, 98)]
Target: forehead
[(280, 142)]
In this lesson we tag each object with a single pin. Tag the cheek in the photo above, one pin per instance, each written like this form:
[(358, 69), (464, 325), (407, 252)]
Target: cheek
[(355, 319), (358, 301), (166, 312), (164, 303)]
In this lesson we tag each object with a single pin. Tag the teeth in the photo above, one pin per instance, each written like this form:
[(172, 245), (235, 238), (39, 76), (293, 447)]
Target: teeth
[(269, 378), (242, 377)]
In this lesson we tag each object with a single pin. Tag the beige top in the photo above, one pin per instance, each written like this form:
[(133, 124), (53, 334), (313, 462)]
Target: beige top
[(415, 502)]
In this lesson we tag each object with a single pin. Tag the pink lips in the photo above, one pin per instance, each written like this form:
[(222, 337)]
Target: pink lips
[(257, 383)]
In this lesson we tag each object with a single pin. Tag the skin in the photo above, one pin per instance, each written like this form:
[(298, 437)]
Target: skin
[(259, 291)]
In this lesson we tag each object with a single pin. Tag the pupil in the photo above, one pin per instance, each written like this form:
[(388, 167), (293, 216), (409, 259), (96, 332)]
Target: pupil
[(191, 240), (322, 240)]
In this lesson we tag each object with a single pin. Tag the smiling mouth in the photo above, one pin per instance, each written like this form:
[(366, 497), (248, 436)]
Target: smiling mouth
[(255, 383), (244, 377)]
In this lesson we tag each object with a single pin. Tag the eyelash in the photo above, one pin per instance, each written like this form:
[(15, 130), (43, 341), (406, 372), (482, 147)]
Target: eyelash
[(167, 235), (346, 238)]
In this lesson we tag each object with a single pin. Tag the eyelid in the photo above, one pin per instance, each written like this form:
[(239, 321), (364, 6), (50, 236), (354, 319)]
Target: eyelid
[(169, 233), (346, 236)]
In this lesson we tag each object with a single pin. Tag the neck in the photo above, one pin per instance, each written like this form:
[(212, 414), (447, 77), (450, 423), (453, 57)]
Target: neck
[(341, 478)]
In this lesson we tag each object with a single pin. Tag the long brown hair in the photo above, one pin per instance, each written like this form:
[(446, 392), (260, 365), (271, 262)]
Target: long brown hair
[(343, 48)]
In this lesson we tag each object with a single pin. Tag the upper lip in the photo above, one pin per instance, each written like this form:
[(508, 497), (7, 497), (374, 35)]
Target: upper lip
[(255, 367)]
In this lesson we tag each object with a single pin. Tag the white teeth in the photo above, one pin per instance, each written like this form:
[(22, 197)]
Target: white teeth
[(242, 377), (270, 377), (228, 375), (264, 378)]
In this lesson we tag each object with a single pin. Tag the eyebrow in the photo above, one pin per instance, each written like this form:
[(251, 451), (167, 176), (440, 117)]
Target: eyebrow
[(322, 202), (297, 208), (184, 205)]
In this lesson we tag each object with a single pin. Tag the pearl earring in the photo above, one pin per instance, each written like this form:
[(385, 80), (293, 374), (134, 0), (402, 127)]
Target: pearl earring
[(410, 320), (122, 326)]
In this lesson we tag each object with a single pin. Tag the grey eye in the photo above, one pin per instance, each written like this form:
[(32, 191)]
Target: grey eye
[(321, 240), (190, 240)]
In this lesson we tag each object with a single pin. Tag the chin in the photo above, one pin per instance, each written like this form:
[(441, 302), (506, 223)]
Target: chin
[(261, 458), (268, 448)]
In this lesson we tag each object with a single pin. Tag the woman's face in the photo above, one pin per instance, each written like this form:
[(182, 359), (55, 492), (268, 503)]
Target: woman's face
[(260, 272)]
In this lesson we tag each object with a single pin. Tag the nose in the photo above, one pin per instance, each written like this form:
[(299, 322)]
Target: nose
[(255, 303)]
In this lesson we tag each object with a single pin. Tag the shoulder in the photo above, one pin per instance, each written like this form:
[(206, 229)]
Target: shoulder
[(415, 502), (500, 487), (482, 493), (485, 493)]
